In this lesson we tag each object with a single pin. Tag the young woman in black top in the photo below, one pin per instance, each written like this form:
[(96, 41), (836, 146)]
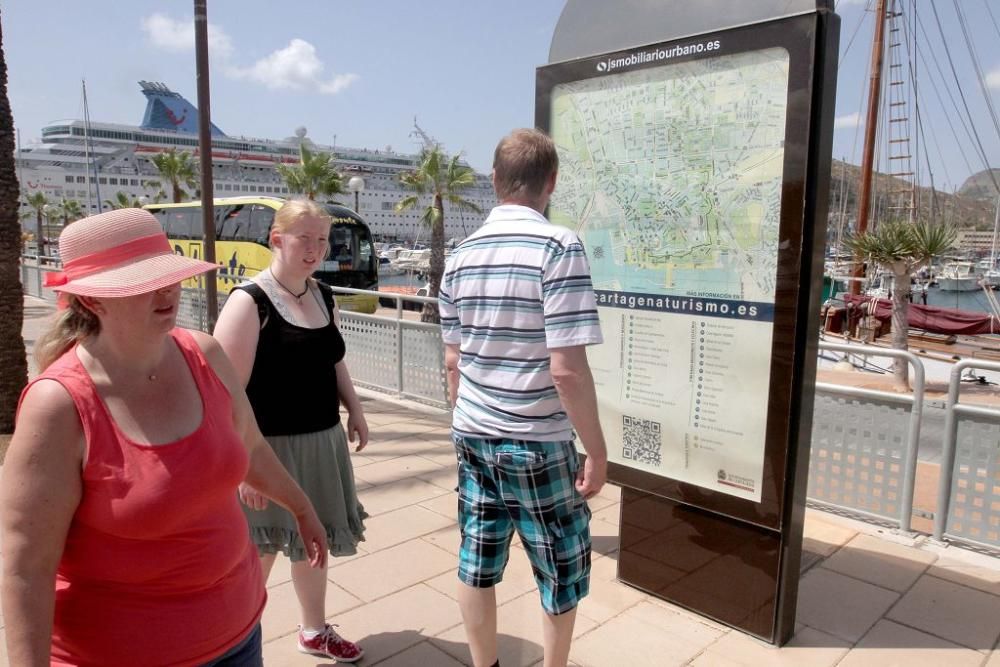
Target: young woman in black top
[(280, 331)]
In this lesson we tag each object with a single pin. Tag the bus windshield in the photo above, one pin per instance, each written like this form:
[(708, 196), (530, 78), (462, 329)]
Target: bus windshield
[(351, 260)]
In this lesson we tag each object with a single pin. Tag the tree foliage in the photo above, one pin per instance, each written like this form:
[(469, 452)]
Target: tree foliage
[(13, 359), (178, 169), (899, 247), (313, 175), (436, 179), (71, 211), (122, 200)]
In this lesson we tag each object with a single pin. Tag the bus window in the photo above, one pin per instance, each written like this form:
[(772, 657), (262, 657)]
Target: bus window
[(180, 223), (234, 224), (261, 219), (364, 252), (343, 245)]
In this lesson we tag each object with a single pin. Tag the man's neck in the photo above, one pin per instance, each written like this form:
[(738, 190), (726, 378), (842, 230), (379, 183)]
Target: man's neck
[(537, 205)]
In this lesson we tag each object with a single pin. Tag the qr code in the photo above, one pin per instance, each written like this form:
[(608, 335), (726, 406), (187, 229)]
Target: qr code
[(642, 440)]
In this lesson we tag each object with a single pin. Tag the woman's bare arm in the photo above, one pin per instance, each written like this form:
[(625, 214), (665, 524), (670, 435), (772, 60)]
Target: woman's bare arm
[(41, 490)]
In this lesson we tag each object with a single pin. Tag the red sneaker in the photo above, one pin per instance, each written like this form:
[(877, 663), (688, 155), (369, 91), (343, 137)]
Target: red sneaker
[(329, 644)]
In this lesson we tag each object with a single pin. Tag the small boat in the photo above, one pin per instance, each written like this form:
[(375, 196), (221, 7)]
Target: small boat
[(958, 277)]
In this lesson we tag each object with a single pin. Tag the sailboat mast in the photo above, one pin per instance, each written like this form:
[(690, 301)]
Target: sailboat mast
[(871, 123), (86, 136), (86, 150), (996, 227)]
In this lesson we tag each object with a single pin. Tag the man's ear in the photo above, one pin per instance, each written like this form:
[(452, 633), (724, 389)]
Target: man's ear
[(550, 186)]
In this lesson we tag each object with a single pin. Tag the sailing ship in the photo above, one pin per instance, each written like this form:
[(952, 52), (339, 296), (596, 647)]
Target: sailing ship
[(891, 130)]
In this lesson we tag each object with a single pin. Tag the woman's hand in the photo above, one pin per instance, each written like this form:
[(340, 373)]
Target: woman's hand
[(313, 536), (357, 426), (252, 498)]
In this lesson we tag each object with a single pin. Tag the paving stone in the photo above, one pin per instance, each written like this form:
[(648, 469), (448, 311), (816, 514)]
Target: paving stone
[(839, 605), (890, 643), (957, 613), (808, 648), (393, 569), (392, 528), (384, 628), (886, 564)]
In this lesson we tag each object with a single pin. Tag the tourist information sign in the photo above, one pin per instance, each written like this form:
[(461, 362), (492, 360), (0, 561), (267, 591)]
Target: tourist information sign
[(694, 170)]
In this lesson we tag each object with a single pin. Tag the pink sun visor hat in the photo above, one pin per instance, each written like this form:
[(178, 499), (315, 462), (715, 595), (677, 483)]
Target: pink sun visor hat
[(119, 253)]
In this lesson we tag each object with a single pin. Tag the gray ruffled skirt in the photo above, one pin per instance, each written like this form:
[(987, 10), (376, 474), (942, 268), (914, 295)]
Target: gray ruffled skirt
[(321, 464)]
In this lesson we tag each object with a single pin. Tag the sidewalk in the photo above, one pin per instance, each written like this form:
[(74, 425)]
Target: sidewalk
[(867, 596)]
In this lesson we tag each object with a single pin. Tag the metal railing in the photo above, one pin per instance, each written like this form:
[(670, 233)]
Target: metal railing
[(968, 499), (393, 355), (864, 444), (396, 355)]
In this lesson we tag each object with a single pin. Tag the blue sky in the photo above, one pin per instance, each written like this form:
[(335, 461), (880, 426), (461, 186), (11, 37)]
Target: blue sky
[(359, 72)]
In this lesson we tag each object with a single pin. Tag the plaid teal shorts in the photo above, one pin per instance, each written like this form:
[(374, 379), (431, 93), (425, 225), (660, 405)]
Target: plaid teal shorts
[(528, 486)]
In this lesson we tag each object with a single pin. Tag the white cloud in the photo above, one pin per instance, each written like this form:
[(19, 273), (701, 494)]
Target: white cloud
[(850, 120), (295, 67), (993, 78), (178, 35)]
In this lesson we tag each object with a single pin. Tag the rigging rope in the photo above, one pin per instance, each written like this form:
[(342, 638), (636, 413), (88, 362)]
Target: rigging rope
[(961, 93), (975, 63)]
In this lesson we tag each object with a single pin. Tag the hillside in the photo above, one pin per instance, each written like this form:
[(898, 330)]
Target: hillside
[(965, 212)]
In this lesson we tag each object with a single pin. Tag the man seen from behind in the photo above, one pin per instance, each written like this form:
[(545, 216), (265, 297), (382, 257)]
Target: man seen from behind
[(517, 312)]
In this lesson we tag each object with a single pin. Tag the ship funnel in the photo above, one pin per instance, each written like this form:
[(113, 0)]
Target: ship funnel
[(167, 110)]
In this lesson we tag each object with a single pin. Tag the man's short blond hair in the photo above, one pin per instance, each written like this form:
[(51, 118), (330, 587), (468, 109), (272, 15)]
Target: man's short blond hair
[(523, 163)]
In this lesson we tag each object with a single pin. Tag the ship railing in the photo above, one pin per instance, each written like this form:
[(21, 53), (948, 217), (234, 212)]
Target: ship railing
[(968, 498), (863, 457)]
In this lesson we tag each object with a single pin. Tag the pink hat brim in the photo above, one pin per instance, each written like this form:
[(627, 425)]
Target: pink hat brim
[(139, 277)]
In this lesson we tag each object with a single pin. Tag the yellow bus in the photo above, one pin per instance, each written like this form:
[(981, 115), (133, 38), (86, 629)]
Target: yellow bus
[(242, 229)]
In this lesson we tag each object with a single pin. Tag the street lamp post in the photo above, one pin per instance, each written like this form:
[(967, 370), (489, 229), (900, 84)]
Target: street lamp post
[(47, 210), (356, 184)]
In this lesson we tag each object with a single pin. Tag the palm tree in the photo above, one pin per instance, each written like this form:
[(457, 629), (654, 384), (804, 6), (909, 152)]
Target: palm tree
[(441, 178), (122, 200), (38, 201), (12, 356), (159, 194), (899, 247), (177, 169), (313, 175), (71, 211)]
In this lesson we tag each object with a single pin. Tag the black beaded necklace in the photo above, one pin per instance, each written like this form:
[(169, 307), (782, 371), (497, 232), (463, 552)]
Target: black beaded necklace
[(298, 297)]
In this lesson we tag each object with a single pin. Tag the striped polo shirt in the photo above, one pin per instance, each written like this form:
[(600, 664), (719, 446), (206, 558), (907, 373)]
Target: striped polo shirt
[(516, 288)]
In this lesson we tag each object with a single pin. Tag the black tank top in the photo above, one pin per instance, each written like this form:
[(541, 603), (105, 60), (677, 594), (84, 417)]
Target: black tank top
[(293, 385)]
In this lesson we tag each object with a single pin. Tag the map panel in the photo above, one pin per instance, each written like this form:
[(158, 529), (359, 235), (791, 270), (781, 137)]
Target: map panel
[(672, 175)]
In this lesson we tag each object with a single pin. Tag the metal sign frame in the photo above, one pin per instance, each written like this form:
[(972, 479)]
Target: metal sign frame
[(760, 541)]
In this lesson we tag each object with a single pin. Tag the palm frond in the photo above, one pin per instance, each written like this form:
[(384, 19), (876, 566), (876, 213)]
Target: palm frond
[(407, 203), (429, 215), (463, 204)]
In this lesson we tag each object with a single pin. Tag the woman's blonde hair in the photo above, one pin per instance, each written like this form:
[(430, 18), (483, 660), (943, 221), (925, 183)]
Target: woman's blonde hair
[(72, 324), (296, 209)]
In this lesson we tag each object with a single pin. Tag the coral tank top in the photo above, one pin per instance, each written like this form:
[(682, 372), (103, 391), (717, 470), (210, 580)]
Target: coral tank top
[(158, 567)]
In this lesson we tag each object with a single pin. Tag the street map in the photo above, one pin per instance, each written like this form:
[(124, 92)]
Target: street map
[(672, 175)]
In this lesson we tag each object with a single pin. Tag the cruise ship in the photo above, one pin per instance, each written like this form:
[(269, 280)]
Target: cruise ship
[(119, 160)]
